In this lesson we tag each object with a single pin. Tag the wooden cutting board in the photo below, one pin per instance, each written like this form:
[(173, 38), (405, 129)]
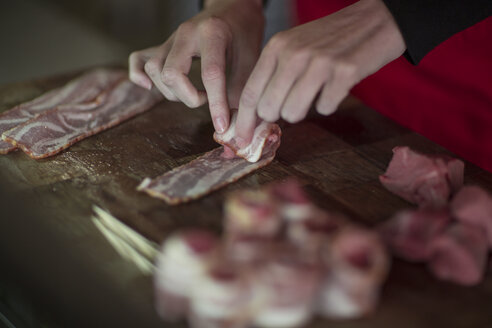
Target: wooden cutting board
[(337, 158)]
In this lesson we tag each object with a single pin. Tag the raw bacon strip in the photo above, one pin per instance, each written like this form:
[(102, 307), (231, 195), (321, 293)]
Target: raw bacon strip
[(264, 132), (473, 205), (410, 232), (459, 255), (84, 89), (52, 131), (424, 180), (203, 175)]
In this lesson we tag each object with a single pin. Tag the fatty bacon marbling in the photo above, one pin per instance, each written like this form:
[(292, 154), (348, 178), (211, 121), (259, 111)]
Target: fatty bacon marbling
[(84, 89), (54, 130)]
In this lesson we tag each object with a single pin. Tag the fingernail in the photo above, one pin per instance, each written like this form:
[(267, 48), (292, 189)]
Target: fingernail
[(220, 124)]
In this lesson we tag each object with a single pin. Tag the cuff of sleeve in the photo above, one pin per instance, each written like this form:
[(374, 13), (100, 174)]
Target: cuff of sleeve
[(424, 24)]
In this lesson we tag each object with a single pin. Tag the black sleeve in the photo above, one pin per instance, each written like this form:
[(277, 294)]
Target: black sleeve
[(426, 23), (200, 3)]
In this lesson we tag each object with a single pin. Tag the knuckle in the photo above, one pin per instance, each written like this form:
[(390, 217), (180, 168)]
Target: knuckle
[(212, 72), (248, 98), (297, 57), (193, 103), (277, 42), (214, 27), (169, 76), (134, 57), (151, 67), (217, 107), (185, 28), (346, 71), (324, 61)]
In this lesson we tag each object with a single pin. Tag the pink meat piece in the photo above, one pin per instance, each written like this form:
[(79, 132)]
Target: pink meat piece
[(252, 212), (184, 258), (357, 264), (221, 298), (84, 89), (315, 231), (203, 175), (52, 131), (264, 133), (473, 205), (424, 180), (286, 288), (459, 254), (293, 202), (247, 250), (409, 233)]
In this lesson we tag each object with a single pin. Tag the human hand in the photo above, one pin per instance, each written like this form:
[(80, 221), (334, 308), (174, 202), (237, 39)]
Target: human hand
[(226, 31), (326, 56)]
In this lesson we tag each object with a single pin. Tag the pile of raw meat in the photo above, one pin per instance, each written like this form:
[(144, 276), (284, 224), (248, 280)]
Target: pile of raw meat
[(451, 230), (96, 101), (280, 260)]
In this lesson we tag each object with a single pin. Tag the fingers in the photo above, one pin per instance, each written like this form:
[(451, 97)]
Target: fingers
[(304, 91), (153, 68), (246, 120), (177, 66), (278, 89), (136, 63), (213, 56), (333, 92)]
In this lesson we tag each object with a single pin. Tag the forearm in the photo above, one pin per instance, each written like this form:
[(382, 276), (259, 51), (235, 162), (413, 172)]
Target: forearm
[(424, 24)]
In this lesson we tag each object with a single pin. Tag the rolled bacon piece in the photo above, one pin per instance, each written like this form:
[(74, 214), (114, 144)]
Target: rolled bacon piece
[(315, 231), (424, 180), (410, 232), (473, 205), (184, 259), (251, 212), (52, 131), (247, 250), (203, 175), (293, 203), (459, 255), (285, 290), (264, 133), (221, 299), (84, 89), (357, 265)]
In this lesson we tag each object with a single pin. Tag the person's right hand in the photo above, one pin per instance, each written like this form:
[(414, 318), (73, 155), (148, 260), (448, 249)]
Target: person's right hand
[(226, 31)]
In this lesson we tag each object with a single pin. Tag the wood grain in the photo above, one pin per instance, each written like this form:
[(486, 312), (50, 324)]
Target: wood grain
[(338, 159)]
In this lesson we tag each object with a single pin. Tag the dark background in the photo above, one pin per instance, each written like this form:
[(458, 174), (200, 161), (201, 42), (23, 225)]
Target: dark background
[(45, 37)]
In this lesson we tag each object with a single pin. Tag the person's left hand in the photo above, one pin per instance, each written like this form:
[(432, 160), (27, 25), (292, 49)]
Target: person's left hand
[(327, 56)]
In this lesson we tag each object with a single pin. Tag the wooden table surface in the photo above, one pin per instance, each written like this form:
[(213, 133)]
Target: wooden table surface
[(338, 159)]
